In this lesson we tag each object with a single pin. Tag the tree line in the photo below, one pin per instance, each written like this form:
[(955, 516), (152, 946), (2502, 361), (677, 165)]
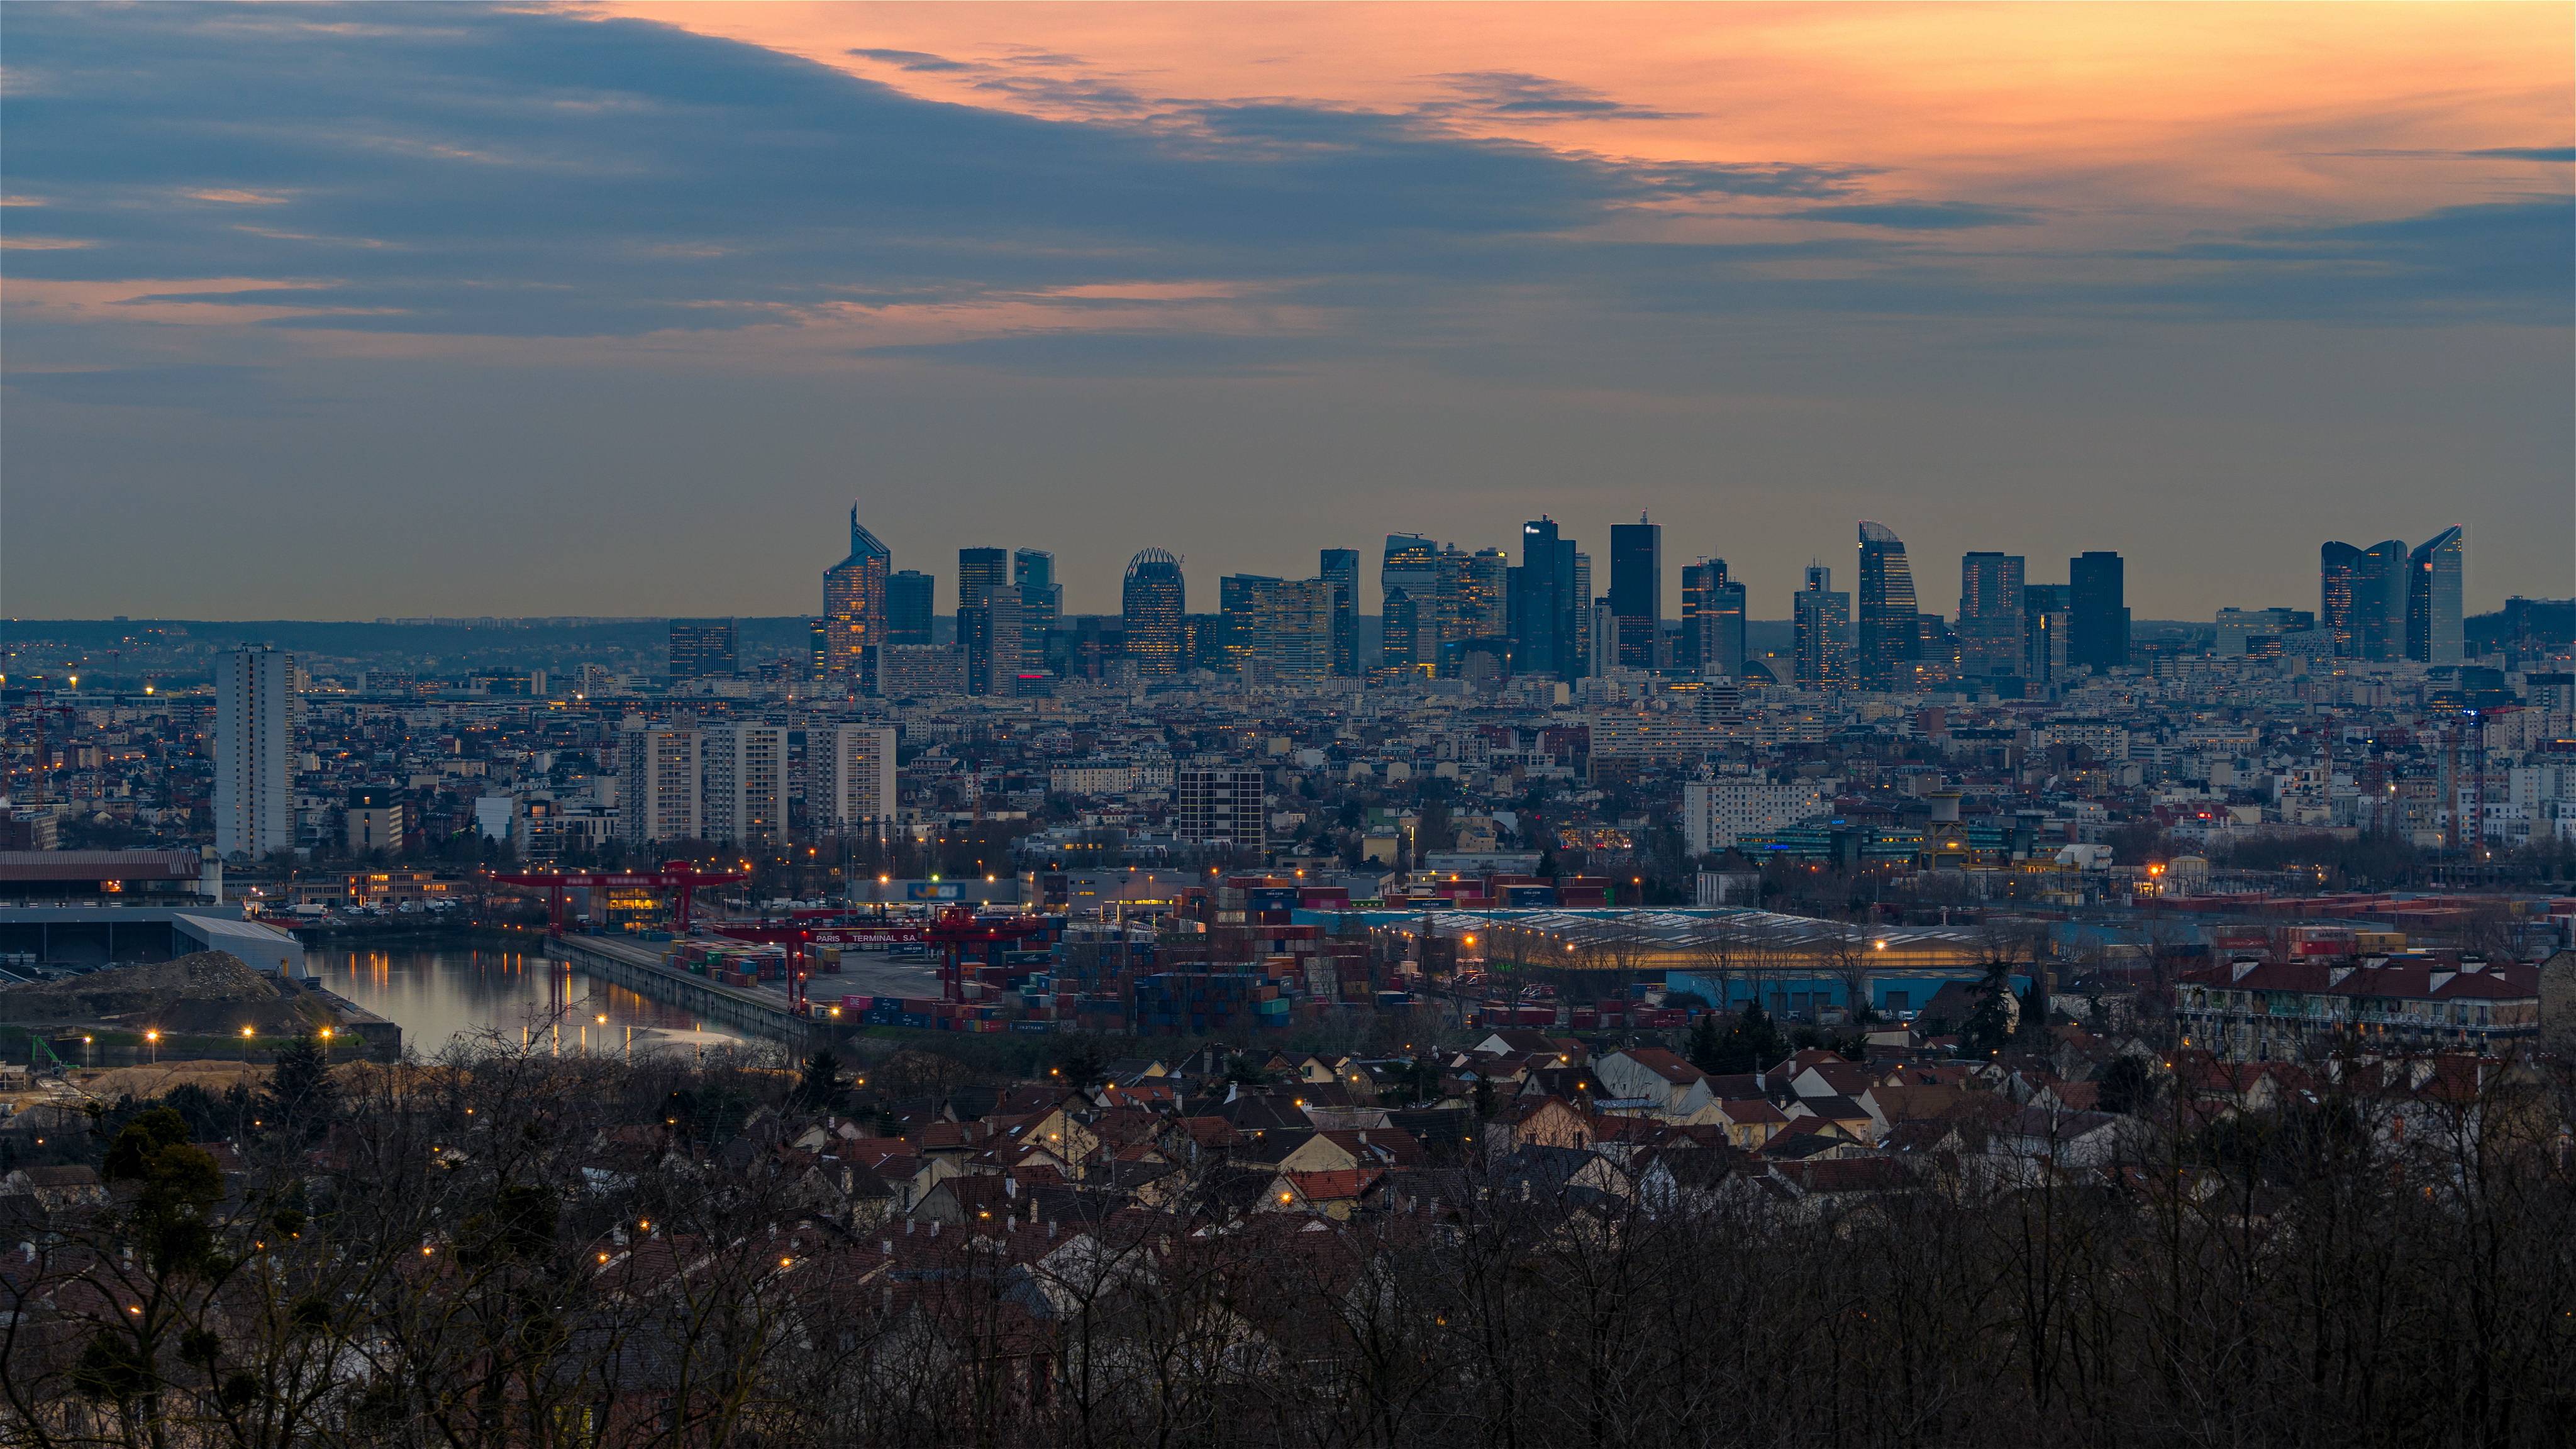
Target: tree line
[(505, 1248)]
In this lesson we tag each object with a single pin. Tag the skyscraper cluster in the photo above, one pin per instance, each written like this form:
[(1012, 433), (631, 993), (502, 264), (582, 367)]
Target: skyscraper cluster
[(1449, 612), (2010, 635), (2389, 602)]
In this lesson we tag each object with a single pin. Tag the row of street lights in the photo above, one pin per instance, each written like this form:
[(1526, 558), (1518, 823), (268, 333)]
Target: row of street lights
[(152, 1038)]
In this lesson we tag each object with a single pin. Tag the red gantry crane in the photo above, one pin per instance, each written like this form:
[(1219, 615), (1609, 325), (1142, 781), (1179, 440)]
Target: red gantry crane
[(959, 927), (675, 875)]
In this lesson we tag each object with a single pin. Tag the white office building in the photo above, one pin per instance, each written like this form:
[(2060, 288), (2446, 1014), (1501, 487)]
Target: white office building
[(853, 786), (1718, 812), (743, 769), (661, 785), (1219, 805), (254, 753)]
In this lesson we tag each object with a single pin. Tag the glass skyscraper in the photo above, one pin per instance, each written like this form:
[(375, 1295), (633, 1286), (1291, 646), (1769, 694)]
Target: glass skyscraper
[(1890, 634), (854, 604), (1990, 615), (1153, 607), (911, 599), (2379, 601), (1340, 570), (1637, 592), (1823, 631), (2434, 626), (1545, 603), (2338, 569), (2097, 610), (1712, 621)]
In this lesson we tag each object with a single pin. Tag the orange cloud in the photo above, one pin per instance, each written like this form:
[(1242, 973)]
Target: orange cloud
[(2111, 109)]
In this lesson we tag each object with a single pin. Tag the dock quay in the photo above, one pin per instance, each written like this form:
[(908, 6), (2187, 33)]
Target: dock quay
[(644, 971), (379, 1038)]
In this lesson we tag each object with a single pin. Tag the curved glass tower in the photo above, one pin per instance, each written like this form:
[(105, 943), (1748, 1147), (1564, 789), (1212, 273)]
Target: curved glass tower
[(1152, 604), (1890, 626)]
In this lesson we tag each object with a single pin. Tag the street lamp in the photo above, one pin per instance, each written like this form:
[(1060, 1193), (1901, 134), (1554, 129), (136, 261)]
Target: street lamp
[(326, 1046), (246, 1035), (153, 1038)]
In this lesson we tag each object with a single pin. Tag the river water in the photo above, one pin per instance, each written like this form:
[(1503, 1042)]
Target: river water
[(442, 995)]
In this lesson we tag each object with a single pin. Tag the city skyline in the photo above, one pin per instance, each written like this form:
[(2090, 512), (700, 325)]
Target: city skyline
[(2199, 287)]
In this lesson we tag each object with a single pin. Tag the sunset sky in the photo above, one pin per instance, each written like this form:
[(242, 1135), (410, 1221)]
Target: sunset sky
[(328, 312)]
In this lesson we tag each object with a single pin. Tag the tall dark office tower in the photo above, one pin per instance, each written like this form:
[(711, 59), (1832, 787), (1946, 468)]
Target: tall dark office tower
[(1400, 632), (1545, 603), (1240, 600), (1990, 615), (854, 603), (2098, 610), (2433, 621), (1341, 570), (1041, 603), (1822, 625), (1637, 591), (2379, 602), (1712, 620), (1412, 566), (1482, 606), (911, 599), (1284, 626), (1699, 581), (1890, 638), (1579, 619), (1041, 597), (993, 633), (2044, 615), (704, 648), (979, 572), (2338, 569), (1726, 622), (1153, 607)]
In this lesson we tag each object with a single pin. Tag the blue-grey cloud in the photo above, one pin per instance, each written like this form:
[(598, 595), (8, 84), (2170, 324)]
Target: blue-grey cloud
[(2507, 260), (457, 170), (1917, 215), (913, 60), (192, 386), (1524, 97), (2525, 153)]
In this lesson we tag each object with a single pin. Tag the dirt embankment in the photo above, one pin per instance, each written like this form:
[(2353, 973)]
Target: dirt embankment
[(210, 991)]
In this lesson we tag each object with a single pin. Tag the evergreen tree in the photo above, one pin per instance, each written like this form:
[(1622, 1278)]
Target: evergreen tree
[(2125, 1087), (819, 1087), (1082, 1068), (1426, 1079), (2031, 1031), (1751, 1044), (1990, 1027), (301, 1097), (1707, 1049)]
